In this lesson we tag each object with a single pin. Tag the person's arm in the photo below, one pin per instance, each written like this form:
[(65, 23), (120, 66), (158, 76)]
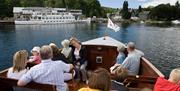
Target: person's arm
[(21, 83), (25, 79), (83, 55), (126, 63), (66, 67)]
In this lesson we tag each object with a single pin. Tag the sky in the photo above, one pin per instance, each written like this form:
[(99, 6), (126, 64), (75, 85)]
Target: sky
[(135, 3)]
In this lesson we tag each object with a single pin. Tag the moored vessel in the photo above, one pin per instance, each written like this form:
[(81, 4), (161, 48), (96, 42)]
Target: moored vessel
[(47, 15)]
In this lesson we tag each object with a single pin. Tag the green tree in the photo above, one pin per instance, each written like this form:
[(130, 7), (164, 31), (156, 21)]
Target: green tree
[(125, 12), (177, 4), (140, 8), (164, 12)]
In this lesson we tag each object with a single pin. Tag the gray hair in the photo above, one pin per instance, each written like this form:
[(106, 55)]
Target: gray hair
[(65, 43), (46, 52), (131, 45)]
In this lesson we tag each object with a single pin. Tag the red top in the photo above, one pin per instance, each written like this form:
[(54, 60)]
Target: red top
[(165, 85)]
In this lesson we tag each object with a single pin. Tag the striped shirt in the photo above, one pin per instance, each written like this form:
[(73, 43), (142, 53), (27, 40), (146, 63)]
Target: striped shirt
[(48, 72)]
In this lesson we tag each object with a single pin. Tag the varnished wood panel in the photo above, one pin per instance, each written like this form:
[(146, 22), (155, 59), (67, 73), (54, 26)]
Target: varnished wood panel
[(108, 54)]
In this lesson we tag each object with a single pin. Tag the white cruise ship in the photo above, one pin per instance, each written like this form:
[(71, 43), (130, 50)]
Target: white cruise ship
[(42, 15)]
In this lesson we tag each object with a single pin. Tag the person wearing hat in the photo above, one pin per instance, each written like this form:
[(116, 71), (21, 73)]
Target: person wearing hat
[(36, 55)]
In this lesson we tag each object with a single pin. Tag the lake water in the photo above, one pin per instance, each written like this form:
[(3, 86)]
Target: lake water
[(161, 45)]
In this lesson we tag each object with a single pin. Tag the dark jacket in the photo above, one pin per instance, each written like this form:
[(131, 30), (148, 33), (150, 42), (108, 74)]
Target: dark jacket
[(118, 87), (82, 54)]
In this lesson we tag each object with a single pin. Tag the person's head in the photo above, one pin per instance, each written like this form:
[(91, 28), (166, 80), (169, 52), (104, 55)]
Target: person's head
[(100, 79), (130, 46), (46, 52), (75, 42), (65, 43), (175, 76), (35, 51), (19, 60), (54, 48), (146, 89), (120, 48), (120, 74)]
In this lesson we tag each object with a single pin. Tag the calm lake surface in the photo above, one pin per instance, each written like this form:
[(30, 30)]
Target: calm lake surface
[(161, 45)]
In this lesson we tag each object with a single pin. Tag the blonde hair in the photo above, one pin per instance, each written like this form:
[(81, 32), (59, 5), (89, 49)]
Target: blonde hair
[(19, 60), (120, 74), (120, 48), (175, 75), (46, 52), (65, 43), (100, 79), (74, 39)]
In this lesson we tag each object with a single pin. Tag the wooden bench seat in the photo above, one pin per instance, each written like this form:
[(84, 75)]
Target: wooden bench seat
[(6, 84)]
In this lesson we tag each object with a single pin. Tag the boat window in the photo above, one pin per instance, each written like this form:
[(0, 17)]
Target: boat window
[(39, 18), (42, 17), (54, 18), (49, 17), (46, 17), (57, 17), (60, 17)]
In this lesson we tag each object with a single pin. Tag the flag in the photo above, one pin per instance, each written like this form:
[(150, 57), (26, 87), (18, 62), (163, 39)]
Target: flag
[(112, 26)]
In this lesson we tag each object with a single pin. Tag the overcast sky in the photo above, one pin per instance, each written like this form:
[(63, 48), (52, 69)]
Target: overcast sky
[(135, 3)]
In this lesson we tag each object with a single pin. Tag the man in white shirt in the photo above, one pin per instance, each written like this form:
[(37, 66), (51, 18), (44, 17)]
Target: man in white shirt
[(132, 61), (47, 72)]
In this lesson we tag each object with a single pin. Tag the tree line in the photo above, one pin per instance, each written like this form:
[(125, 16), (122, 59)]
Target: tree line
[(89, 7), (165, 12)]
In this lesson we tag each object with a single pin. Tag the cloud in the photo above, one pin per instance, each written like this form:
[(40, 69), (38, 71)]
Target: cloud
[(157, 2)]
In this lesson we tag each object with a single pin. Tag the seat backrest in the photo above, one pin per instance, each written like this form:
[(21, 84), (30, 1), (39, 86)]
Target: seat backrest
[(6, 84)]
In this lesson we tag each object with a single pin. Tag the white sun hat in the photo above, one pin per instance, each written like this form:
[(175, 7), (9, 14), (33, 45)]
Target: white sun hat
[(36, 49)]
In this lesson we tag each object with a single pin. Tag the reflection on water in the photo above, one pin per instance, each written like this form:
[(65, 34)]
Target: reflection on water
[(160, 44)]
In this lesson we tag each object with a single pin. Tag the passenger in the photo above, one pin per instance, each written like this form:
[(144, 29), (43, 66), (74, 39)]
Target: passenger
[(172, 84), (19, 64), (121, 56), (146, 89), (99, 80), (57, 55), (36, 55), (67, 51), (132, 61), (79, 57), (118, 79), (47, 72)]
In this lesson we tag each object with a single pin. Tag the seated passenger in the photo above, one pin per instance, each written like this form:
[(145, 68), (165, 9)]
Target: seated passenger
[(57, 55), (66, 50), (19, 64), (121, 56), (118, 79), (47, 72), (79, 57), (172, 84), (36, 56), (99, 80), (132, 61)]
